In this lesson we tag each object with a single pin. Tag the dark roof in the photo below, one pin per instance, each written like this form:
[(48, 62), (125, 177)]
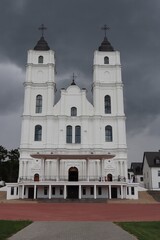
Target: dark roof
[(137, 168), (106, 46), (153, 158), (42, 45)]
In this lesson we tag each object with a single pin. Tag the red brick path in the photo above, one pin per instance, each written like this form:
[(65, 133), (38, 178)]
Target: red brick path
[(80, 212)]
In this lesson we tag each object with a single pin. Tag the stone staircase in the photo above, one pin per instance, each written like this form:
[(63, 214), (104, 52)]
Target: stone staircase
[(146, 197), (3, 196), (155, 195)]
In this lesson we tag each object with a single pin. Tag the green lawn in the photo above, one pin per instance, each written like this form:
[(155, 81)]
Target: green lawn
[(142, 230), (8, 228)]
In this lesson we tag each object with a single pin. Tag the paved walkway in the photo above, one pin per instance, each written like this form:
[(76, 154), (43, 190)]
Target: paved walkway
[(72, 231)]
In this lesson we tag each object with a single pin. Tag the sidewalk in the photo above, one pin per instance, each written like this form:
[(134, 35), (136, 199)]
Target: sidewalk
[(72, 231)]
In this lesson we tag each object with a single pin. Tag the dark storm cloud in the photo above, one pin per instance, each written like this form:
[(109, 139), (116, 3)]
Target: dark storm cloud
[(74, 33)]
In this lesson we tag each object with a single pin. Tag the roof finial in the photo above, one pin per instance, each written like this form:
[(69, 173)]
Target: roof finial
[(73, 79), (105, 28), (42, 28)]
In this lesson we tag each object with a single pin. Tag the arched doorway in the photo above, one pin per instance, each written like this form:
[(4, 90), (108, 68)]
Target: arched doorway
[(109, 177), (73, 174), (36, 177)]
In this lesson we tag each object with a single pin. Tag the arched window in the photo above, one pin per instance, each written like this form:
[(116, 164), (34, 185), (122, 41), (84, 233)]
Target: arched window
[(40, 59), (36, 177), (77, 134), (69, 134), (38, 104), (73, 111), (108, 134), (107, 104), (106, 60), (38, 133)]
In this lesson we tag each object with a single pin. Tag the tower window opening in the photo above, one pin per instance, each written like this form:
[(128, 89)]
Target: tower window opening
[(107, 104), (108, 134), (40, 59), (38, 104), (38, 133), (106, 60)]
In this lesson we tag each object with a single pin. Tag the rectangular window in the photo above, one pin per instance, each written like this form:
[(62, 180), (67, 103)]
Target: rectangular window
[(77, 134), (17, 191), (132, 190), (99, 191), (159, 184), (84, 191), (45, 190), (12, 190), (127, 191), (91, 190), (69, 134), (141, 179), (61, 191), (158, 173), (53, 190)]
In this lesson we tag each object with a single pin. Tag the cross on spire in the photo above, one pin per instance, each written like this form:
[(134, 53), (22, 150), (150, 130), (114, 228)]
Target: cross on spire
[(73, 79), (42, 28), (105, 28)]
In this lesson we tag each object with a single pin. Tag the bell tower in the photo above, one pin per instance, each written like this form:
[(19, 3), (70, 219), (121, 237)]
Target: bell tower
[(39, 87)]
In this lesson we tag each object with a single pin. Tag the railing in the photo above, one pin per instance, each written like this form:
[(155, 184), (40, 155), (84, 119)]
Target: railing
[(80, 178)]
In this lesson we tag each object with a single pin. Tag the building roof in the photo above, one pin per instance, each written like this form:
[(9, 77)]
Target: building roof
[(72, 156), (42, 45), (136, 167), (152, 158), (106, 46)]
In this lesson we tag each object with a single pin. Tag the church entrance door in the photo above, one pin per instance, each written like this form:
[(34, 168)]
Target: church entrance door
[(31, 192), (114, 192), (73, 174), (72, 192)]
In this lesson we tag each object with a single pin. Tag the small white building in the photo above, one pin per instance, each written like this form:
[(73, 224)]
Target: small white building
[(135, 173), (73, 149), (151, 170)]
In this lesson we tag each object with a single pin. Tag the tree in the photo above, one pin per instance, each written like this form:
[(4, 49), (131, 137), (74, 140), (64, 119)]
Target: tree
[(9, 164), (3, 153)]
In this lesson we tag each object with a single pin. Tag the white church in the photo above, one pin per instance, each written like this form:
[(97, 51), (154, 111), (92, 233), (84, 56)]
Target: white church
[(73, 149)]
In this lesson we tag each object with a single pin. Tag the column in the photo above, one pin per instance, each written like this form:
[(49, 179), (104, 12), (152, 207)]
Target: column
[(35, 191), (80, 192), (22, 191), (101, 167), (43, 169), (87, 169), (129, 191), (65, 191), (121, 191), (58, 169), (49, 191), (110, 196), (95, 192)]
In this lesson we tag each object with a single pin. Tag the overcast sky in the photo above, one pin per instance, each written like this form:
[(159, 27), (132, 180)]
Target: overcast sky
[(74, 32)]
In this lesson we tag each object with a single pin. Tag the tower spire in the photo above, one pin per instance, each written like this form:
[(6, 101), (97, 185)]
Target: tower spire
[(42, 45), (105, 45)]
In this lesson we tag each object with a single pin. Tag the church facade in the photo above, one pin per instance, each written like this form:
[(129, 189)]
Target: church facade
[(73, 149)]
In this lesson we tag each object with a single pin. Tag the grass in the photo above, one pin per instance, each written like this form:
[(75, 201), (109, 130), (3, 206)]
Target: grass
[(8, 228), (142, 230)]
